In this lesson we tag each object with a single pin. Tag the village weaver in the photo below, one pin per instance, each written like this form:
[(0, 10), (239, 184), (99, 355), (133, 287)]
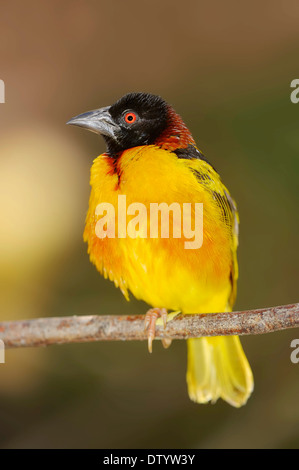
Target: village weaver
[(151, 157)]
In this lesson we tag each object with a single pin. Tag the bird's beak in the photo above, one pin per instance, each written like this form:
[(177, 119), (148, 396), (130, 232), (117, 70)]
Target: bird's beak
[(98, 121)]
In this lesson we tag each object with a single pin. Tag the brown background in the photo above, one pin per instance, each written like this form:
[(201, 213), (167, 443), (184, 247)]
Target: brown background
[(227, 68)]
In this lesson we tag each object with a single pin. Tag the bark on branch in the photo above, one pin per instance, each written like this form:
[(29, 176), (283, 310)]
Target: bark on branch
[(75, 329)]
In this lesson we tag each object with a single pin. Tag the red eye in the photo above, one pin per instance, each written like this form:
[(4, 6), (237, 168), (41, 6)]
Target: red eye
[(130, 118)]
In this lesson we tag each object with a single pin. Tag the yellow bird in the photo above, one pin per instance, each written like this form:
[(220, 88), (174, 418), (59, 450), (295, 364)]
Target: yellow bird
[(152, 159)]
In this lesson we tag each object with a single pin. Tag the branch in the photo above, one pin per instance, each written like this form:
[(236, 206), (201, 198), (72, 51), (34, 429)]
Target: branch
[(60, 330)]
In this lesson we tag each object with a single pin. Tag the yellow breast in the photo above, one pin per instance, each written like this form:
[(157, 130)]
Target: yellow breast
[(160, 271)]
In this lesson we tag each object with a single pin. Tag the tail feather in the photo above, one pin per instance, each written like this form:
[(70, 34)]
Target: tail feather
[(218, 368)]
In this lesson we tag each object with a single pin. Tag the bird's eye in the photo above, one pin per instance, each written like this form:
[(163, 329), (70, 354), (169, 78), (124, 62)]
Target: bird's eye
[(130, 117)]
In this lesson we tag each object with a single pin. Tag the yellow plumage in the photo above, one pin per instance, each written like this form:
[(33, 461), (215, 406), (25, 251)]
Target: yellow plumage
[(152, 158), (218, 368), (163, 273)]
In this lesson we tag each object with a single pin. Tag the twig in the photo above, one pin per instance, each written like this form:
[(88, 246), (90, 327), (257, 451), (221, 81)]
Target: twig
[(75, 329)]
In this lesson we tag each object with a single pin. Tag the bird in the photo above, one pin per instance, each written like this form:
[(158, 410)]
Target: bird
[(151, 157)]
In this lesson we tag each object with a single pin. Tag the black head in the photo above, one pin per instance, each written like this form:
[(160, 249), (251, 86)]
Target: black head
[(136, 119)]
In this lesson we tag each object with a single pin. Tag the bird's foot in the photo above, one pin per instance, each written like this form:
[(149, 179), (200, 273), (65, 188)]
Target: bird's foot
[(151, 317)]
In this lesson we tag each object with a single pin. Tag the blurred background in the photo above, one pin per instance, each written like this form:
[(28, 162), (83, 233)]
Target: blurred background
[(226, 67)]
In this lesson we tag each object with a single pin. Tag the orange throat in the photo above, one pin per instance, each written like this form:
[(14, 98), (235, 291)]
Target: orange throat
[(176, 135)]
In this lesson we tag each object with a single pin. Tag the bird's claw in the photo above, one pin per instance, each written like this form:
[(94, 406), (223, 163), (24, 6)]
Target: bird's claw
[(150, 325)]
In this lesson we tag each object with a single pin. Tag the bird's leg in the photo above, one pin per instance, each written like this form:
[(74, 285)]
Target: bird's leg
[(151, 317), (166, 342)]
